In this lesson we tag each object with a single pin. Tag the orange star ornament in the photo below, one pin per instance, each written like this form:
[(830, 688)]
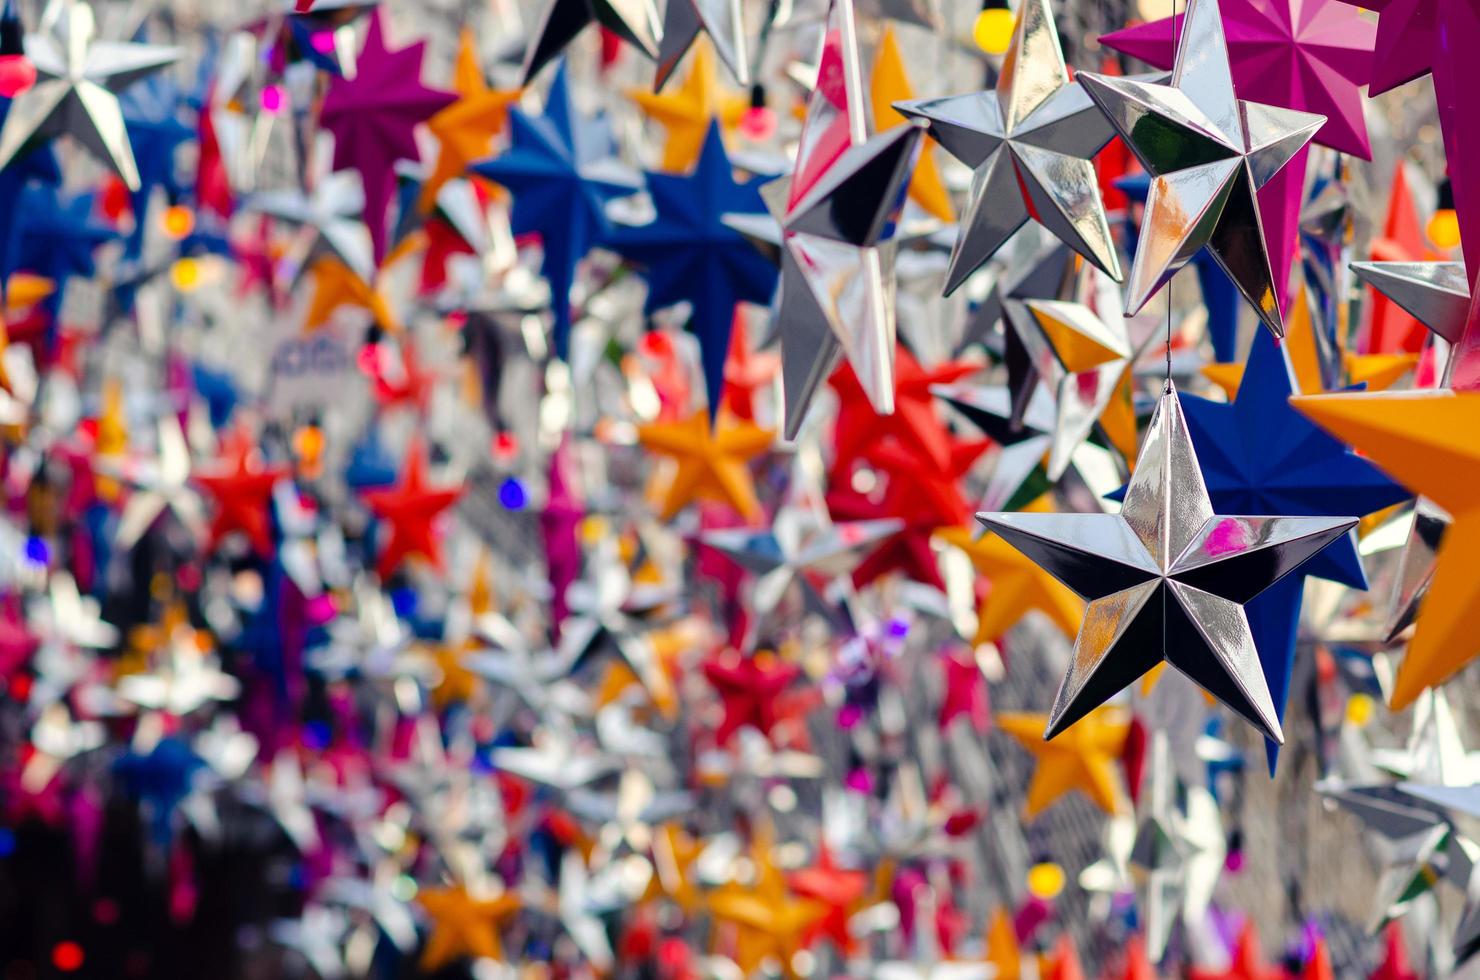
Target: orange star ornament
[(891, 84), (685, 111), (1085, 757), (1424, 440), (466, 128), (463, 925), (764, 918), (710, 465)]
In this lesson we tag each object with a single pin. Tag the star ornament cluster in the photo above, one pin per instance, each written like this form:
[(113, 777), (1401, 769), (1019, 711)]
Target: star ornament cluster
[(1166, 579), (1208, 153)]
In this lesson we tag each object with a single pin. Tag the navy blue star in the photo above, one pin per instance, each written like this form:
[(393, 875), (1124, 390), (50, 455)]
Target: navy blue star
[(1221, 298), (689, 253), (38, 165), (151, 116), (162, 778), (55, 237), (561, 171), (1260, 456)]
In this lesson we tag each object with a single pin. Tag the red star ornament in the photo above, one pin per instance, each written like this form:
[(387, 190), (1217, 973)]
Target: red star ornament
[(410, 509), (838, 891), (925, 498), (750, 689), (915, 423), (242, 488)]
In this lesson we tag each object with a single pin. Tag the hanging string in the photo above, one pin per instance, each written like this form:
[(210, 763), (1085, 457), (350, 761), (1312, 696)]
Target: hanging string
[(1167, 385)]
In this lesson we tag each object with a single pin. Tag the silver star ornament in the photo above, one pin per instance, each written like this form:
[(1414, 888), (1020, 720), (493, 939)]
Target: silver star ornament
[(1208, 152), (839, 214), (684, 20), (78, 79), (1166, 579), (1030, 143)]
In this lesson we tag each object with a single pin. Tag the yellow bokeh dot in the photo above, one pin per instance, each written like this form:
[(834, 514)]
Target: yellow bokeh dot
[(1045, 880), (993, 30), (1443, 229), (1359, 709), (177, 221), (185, 274)]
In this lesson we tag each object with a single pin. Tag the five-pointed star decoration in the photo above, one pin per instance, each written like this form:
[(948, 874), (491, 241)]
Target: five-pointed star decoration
[(688, 253), (1086, 759), (1030, 144), (634, 21), (768, 919), (785, 553), (1310, 55), (723, 21), (242, 487), (410, 509), (464, 924), (687, 113), (712, 465), (1085, 362), (1414, 38), (78, 79), (1208, 153), (1437, 295), (372, 117), (1258, 455), (839, 214), (465, 128), (1167, 579), (561, 171), (1423, 439)]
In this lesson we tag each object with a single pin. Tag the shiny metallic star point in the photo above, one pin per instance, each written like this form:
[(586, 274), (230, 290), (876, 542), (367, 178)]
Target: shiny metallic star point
[(1166, 580)]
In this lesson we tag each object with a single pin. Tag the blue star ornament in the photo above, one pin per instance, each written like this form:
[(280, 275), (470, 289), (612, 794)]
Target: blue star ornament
[(561, 170), (688, 253), (1260, 456), (151, 115), (55, 237)]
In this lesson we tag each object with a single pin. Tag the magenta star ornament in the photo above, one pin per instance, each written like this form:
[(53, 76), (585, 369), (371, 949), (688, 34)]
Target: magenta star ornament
[(1309, 55), (373, 116), (1419, 37)]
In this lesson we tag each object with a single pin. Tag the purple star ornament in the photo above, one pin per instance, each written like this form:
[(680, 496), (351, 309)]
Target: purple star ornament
[(373, 116)]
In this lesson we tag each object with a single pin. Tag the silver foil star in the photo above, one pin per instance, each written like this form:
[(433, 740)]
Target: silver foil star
[(78, 79), (634, 21), (1436, 294), (685, 20), (1166, 579), (782, 554), (1030, 144), (1208, 153), (839, 215)]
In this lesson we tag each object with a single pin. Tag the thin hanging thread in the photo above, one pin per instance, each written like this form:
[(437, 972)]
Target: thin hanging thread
[(1167, 385)]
